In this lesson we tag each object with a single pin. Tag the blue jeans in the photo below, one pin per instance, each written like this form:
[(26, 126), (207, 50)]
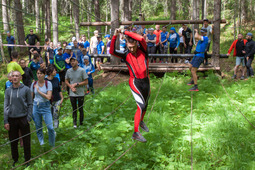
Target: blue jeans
[(42, 110)]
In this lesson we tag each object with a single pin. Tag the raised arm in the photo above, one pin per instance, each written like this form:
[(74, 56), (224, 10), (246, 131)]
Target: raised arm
[(113, 50), (138, 38)]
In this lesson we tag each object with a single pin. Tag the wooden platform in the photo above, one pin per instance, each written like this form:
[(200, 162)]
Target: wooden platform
[(159, 67)]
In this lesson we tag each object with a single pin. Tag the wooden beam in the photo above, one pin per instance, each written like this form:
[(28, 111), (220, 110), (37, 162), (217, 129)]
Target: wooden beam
[(159, 55), (162, 22)]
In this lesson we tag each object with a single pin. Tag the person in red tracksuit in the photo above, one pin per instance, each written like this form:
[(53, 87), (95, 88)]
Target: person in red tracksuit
[(136, 58)]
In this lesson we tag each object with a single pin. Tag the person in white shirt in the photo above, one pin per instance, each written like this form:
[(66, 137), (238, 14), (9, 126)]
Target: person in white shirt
[(93, 43)]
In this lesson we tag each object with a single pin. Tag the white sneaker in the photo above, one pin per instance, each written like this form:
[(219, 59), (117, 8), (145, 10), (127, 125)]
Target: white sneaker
[(186, 61), (75, 126)]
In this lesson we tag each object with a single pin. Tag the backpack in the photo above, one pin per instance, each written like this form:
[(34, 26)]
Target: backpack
[(46, 84)]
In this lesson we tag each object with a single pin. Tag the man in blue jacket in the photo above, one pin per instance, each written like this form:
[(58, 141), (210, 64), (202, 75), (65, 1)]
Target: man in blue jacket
[(174, 40)]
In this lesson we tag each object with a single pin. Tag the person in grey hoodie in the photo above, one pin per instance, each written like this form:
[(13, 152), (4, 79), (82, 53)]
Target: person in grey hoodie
[(17, 115)]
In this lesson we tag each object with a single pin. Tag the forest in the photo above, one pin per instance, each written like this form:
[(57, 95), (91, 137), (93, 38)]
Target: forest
[(210, 129)]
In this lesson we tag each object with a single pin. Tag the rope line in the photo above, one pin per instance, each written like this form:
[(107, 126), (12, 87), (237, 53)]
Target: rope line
[(136, 141), (61, 117), (191, 134), (117, 108)]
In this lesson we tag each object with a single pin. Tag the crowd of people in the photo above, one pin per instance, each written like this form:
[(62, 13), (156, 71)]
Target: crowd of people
[(34, 90)]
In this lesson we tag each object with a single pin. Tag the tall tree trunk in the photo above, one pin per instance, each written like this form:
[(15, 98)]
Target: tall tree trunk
[(216, 35), (195, 17), (43, 14), (37, 14), (173, 10), (165, 6), (55, 22), (76, 18), (106, 15), (130, 3), (20, 24), (202, 7), (71, 14), (5, 16), (14, 20), (244, 9), (115, 24), (205, 9), (97, 14), (125, 10), (88, 16), (47, 21)]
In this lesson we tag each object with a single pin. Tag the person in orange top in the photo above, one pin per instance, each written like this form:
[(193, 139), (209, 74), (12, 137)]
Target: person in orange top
[(157, 33), (239, 48)]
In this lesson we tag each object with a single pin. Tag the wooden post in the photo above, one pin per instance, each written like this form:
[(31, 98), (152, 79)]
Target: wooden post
[(115, 24), (1, 47), (216, 35)]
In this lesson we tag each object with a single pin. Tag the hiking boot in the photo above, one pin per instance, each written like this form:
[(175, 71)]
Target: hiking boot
[(13, 165), (194, 88), (191, 83), (234, 77), (252, 76), (143, 126), (242, 78), (137, 136)]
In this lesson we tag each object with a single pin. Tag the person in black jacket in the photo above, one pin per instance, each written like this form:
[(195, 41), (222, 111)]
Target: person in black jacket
[(27, 77), (31, 41), (249, 54)]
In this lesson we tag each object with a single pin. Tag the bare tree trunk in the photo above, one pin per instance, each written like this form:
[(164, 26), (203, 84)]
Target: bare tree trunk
[(106, 15), (97, 14), (88, 17), (125, 10), (165, 6), (5, 16), (43, 14), (244, 9), (195, 16), (47, 21), (55, 22), (205, 9), (71, 15), (37, 14), (216, 35), (76, 18), (130, 10), (173, 10), (115, 24), (20, 24)]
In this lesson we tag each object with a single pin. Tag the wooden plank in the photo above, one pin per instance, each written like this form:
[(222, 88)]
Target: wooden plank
[(162, 22)]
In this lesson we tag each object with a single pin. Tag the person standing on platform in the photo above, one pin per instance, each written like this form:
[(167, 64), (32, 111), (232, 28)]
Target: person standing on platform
[(187, 39), (157, 33), (163, 41), (174, 42), (151, 43), (209, 35)]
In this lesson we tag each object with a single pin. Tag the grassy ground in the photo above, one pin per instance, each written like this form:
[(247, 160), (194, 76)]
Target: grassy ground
[(222, 138)]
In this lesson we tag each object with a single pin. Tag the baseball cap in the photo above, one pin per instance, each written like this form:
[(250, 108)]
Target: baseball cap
[(206, 20), (86, 57), (203, 30), (107, 36), (59, 48), (68, 47), (73, 58), (250, 34)]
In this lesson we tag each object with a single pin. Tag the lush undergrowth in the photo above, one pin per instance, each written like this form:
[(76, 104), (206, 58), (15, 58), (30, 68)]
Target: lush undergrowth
[(222, 138)]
